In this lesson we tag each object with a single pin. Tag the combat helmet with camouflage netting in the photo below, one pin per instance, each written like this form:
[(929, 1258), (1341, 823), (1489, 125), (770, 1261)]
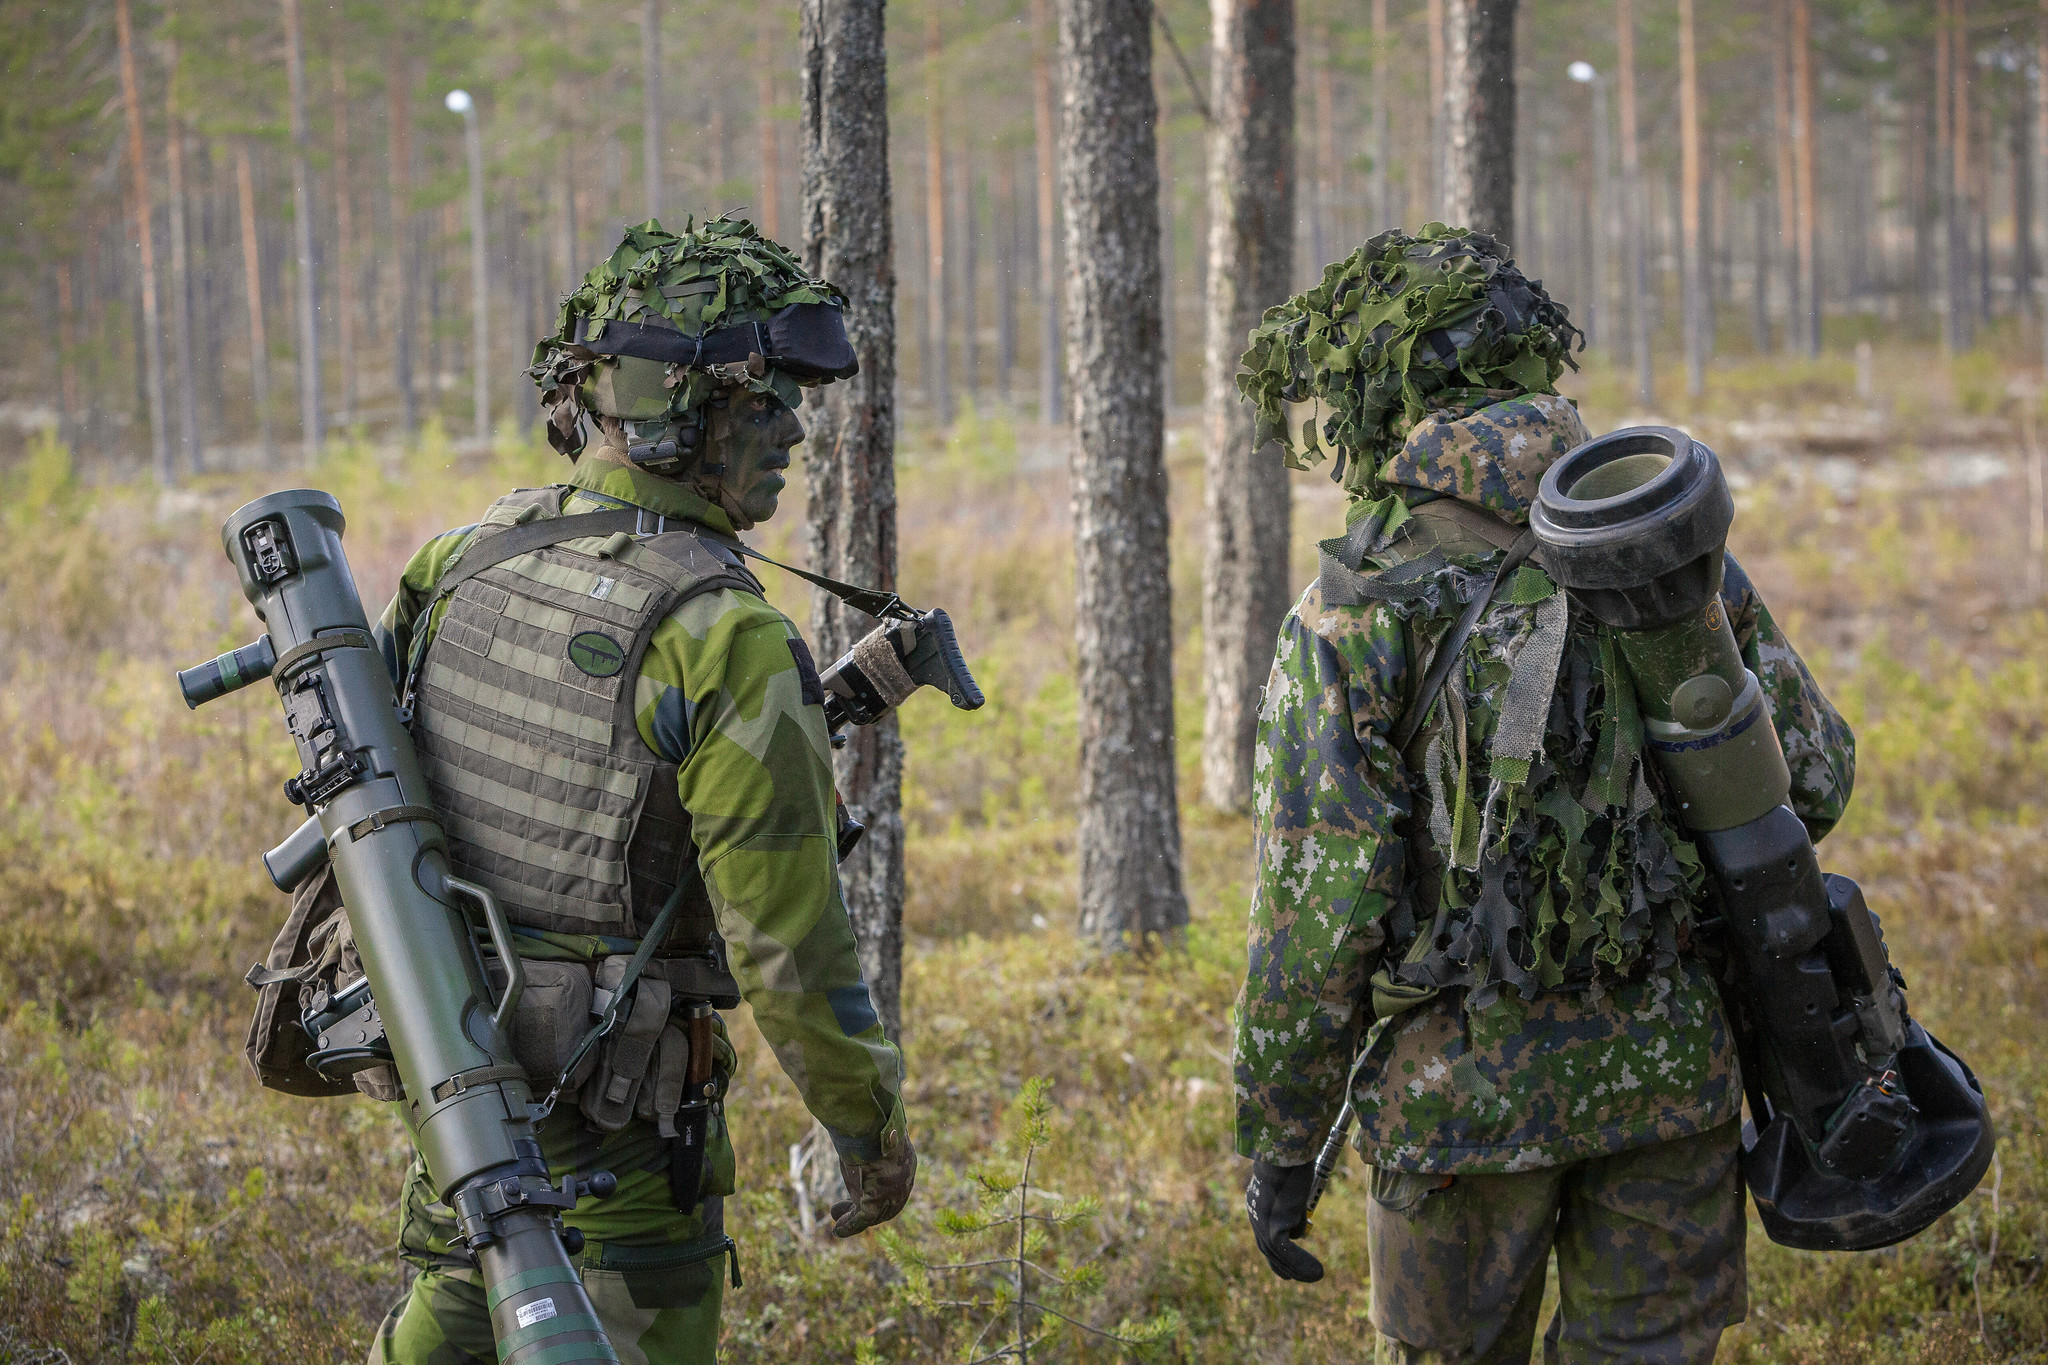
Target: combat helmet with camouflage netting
[(1440, 323), (674, 320)]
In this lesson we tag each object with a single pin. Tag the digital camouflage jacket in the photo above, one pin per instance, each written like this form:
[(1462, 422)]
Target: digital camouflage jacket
[(716, 694), (1505, 934)]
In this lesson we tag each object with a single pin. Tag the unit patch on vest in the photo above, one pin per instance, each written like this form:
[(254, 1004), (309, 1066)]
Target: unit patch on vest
[(596, 653)]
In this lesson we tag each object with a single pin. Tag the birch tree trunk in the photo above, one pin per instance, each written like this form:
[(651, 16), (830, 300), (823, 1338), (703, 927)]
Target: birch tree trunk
[(1479, 115), (1130, 887), (142, 209), (1251, 239), (310, 419), (191, 451), (851, 470), (1051, 402)]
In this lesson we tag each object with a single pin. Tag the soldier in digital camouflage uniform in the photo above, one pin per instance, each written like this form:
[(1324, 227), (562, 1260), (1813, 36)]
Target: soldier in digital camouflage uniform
[(726, 719), (1504, 943)]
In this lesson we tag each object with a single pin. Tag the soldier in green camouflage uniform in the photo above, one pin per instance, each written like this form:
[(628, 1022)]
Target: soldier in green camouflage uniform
[(1490, 947), (726, 699)]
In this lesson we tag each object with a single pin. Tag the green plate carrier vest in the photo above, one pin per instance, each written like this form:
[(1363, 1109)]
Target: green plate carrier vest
[(524, 717)]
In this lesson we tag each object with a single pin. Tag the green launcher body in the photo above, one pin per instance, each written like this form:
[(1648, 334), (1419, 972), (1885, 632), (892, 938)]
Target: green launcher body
[(1863, 1127), (428, 1008)]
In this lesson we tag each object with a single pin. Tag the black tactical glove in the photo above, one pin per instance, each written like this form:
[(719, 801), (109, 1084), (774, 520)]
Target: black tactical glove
[(1277, 1200)]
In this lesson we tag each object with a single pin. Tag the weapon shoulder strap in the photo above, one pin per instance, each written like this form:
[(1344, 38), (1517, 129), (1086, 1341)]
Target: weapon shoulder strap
[(1453, 643)]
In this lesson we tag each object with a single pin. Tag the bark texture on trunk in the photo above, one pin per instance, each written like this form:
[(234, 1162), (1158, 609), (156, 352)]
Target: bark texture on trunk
[(311, 422), (1109, 183), (1251, 240), (152, 329), (1479, 115), (851, 471)]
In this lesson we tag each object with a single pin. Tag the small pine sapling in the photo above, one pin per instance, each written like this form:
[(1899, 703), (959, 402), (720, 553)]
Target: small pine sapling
[(1028, 1291)]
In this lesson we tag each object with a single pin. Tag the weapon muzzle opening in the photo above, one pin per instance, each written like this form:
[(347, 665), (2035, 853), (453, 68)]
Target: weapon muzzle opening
[(1635, 524)]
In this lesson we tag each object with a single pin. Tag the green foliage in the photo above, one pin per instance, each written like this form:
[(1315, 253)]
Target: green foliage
[(1018, 1298), (1401, 327)]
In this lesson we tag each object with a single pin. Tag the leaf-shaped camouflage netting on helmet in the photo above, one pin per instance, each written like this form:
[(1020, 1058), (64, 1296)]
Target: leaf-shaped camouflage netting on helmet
[(717, 275), (1403, 327)]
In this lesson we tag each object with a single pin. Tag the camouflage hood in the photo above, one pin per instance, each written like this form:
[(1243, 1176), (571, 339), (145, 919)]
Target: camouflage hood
[(1493, 458)]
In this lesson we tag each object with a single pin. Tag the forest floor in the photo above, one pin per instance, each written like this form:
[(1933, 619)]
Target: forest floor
[(160, 1207)]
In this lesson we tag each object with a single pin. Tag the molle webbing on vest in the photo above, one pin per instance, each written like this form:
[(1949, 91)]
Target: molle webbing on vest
[(524, 719)]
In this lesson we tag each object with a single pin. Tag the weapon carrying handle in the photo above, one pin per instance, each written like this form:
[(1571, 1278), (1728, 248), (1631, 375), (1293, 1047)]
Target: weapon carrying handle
[(501, 939)]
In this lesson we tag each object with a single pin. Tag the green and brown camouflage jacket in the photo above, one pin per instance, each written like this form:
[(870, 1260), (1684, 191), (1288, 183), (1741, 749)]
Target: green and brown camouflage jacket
[(1538, 906), (718, 694)]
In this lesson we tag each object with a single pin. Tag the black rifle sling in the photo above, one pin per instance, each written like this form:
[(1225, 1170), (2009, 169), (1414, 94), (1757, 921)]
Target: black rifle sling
[(1453, 643)]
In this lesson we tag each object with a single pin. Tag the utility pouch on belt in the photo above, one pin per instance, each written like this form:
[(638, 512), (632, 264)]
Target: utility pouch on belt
[(609, 1097), (549, 1021)]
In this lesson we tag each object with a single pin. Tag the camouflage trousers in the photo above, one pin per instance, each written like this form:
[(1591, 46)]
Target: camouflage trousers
[(655, 1275), (1649, 1247)]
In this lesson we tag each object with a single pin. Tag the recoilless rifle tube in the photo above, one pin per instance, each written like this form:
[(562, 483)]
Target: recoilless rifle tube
[(428, 1007), (1865, 1129)]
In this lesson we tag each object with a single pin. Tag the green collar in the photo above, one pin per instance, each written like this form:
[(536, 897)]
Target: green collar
[(664, 497)]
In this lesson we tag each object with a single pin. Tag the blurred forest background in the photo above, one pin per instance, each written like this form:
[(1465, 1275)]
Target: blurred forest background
[(1810, 231), (1864, 167)]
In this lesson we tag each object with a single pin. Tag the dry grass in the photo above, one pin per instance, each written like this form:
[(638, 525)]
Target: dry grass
[(159, 1207)]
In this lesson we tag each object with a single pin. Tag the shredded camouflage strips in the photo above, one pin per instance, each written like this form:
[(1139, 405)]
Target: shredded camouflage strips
[(1403, 327)]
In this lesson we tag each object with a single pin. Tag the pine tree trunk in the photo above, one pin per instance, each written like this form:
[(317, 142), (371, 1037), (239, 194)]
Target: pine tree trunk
[(851, 468), (1633, 208), (1251, 236), (2020, 147), (1479, 115), (965, 269), (344, 241), (1129, 835), (311, 421), (1802, 156), (1433, 17), (1787, 179), (191, 451), (1954, 333), (1321, 231), (67, 356), (938, 382), (1382, 131), (404, 237), (1692, 266), (145, 234), (766, 127), (650, 106), (1051, 399), (1003, 210), (252, 285)]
